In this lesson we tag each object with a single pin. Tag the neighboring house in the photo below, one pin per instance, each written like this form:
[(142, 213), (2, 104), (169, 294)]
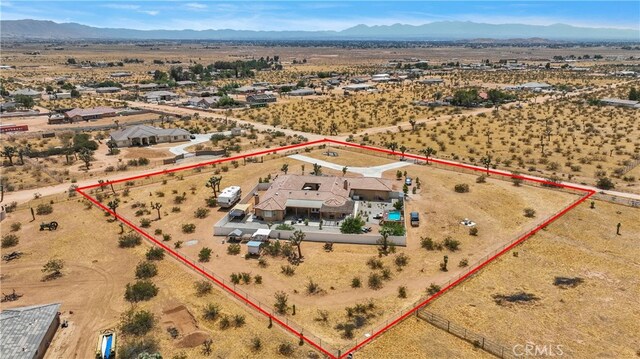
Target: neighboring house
[(144, 135), (250, 89), (151, 86), (322, 197), (7, 107), (380, 78), (26, 332), (60, 95), (204, 102), (186, 83), (302, 92), (531, 86), (357, 87), (620, 102), (107, 89), (27, 92), (87, 114), (431, 81), (155, 96), (56, 119), (261, 98), (121, 74)]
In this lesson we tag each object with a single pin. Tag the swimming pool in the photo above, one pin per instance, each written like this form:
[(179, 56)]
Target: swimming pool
[(393, 216)]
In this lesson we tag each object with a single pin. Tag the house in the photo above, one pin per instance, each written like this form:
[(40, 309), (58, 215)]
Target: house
[(156, 96), (27, 92), (151, 86), (531, 86), (87, 114), (7, 107), (144, 135), (121, 74), (432, 81), (186, 83), (204, 102), (380, 78), (59, 95), (26, 332), (107, 89), (302, 92), (261, 98), (357, 87), (322, 197), (620, 102), (250, 89)]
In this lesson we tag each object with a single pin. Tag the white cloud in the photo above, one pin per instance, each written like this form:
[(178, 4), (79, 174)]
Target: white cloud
[(122, 6), (196, 6), (149, 12)]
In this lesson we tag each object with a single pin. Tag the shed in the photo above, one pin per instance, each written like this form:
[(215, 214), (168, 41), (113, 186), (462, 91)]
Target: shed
[(262, 234), (240, 209), (235, 235), (254, 247)]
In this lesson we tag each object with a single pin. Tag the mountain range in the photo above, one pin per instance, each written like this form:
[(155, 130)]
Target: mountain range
[(441, 30)]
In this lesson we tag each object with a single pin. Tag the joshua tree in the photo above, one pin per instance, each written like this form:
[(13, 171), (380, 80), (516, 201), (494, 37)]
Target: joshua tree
[(344, 170), (333, 128), (403, 149), (9, 152), (156, 206), (86, 156), (317, 169), (428, 152), (285, 168), (413, 122), (296, 240), (392, 146), (113, 205), (214, 184), (486, 161), (385, 232), (24, 151), (302, 167)]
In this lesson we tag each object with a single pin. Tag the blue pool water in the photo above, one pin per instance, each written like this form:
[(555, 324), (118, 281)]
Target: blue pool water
[(107, 350), (393, 216)]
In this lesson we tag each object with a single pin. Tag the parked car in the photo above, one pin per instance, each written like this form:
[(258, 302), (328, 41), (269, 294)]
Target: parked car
[(415, 219), (408, 181)]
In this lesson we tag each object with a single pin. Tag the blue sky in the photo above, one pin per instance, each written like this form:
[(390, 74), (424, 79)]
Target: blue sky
[(312, 15)]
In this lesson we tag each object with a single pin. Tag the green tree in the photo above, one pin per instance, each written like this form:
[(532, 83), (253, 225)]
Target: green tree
[(24, 101), (86, 156), (634, 95), (352, 225), (9, 152)]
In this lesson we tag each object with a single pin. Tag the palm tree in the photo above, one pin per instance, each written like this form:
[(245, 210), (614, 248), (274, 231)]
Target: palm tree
[(296, 240)]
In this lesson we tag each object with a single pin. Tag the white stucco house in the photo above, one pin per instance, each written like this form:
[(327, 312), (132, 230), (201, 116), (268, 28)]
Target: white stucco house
[(144, 135)]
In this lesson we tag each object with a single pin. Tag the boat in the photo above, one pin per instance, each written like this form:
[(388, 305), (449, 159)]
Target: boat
[(106, 345)]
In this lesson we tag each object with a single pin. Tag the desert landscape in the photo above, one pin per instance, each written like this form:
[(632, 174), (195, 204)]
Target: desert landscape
[(386, 199)]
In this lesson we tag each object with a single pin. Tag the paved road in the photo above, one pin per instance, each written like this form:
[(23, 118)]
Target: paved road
[(365, 171)]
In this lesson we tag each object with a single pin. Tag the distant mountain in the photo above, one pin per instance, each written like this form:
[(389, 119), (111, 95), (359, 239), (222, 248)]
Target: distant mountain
[(442, 30)]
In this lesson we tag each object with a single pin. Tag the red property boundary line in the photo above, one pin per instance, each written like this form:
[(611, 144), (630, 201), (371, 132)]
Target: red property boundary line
[(588, 193)]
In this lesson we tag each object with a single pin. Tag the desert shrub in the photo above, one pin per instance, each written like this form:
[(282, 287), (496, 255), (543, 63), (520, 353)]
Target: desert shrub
[(461, 188), (235, 278), (256, 344), (129, 240), (145, 223), (15, 226), (137, 322), (451, 244), (427, 243), (258, 279), (262, 263), (211, 312), (203, 287), (463, 263), (473, 231), (605, 183), (155, 254), (285, 227), (481, 179), (529, 212), (323, 316), (188, 228), (433, 289), (401, 260), (138, 348), (238, 320), (386, 273), (157, 231), (356, 283), (233, 249), (10, 240), (53, 269), (281, 302), (44, 208), (313, 287), (204, 255), (146, 270), (402, 292), (201, 212), (288, 270), (140, 291), (374, 263), (178, 244), (166, 237), (285, 349), (565, 282), (375, 281)]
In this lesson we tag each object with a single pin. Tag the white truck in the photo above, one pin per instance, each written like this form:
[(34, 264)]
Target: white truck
[(229, 196)]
